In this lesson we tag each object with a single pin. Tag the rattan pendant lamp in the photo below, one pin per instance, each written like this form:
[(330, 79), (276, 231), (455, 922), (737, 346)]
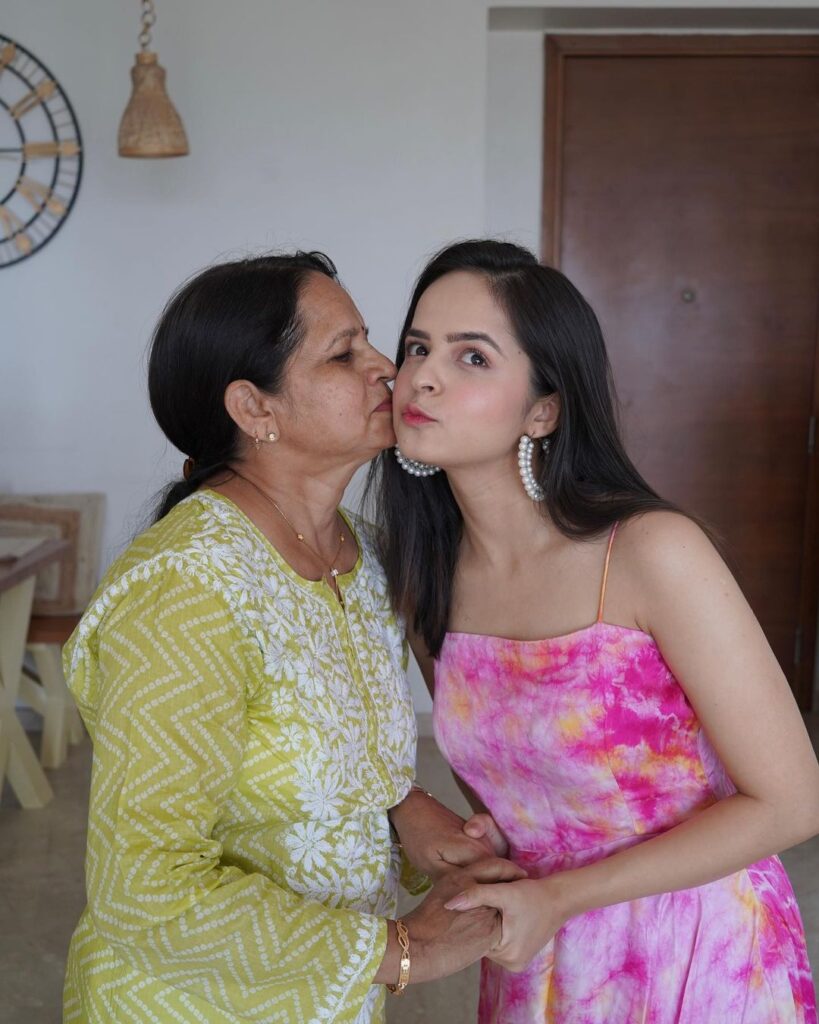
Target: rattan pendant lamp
[(150, 126)]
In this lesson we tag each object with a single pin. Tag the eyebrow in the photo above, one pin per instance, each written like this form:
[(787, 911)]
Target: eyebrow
[(413, 332), (348, 333)]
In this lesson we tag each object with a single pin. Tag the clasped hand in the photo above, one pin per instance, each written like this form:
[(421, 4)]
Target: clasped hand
[(436, 839), (531, 911)]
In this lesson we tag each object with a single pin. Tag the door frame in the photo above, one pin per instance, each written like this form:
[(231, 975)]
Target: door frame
[(558, 49)]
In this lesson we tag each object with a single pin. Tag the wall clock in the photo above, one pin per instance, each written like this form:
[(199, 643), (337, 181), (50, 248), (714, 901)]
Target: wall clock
[(40, 154)]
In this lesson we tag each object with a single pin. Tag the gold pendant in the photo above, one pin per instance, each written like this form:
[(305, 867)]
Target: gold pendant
[(335, 590)]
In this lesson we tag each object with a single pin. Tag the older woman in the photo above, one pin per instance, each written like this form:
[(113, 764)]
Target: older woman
[(242, 676)]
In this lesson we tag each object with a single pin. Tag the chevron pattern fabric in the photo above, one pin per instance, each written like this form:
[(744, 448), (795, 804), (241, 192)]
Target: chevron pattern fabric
[(249, 736)]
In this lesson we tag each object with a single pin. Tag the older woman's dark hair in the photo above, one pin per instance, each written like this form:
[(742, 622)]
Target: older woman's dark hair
[(590, 482), (233, 321)]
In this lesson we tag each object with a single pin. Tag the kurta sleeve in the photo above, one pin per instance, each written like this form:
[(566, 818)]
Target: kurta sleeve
[(173, 669), (412, 879)]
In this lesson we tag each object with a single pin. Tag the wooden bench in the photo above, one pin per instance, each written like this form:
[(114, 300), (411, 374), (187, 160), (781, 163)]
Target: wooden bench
[(44, 689)]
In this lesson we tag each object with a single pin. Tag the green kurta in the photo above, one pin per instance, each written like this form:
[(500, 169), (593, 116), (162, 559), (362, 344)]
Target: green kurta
[(249, 736)]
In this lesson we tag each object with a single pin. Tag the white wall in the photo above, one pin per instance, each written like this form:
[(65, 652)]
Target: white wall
[(355, 127), (514, 145)]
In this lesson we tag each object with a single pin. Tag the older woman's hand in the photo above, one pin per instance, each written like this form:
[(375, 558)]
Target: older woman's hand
[(444, 941), (436, 839), (483, 826)]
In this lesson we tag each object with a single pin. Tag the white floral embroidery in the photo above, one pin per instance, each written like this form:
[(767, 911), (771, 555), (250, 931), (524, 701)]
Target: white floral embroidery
[(330, 731), (307, 844)]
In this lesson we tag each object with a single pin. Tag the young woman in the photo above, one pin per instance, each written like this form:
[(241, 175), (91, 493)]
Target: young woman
[(600, 683)]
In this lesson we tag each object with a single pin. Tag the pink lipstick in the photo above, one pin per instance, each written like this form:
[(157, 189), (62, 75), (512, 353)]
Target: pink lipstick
[(415, 417)]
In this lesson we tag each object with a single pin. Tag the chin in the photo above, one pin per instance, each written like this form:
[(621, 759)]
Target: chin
[(412, 450), (385, 439)]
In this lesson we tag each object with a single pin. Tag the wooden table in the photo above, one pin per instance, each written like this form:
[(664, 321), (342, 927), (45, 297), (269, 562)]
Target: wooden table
[(17, 577)]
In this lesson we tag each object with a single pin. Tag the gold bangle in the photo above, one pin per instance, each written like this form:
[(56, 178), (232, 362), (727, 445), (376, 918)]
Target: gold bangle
[(404, 972), (419, 789)]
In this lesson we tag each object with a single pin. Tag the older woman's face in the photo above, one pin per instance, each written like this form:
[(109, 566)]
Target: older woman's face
[(336, 401)]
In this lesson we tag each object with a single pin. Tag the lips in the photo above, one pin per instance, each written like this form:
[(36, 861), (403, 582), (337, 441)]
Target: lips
[(415, 416), (386, 406)]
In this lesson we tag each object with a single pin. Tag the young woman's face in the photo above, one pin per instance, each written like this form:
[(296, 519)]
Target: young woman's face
[(336, 395), (463, 392)]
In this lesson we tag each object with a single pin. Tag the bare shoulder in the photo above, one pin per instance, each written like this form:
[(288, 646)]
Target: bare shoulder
[(665, 546)]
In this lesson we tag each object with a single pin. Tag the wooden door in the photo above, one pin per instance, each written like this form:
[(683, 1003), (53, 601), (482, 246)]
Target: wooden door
[(681, 195)]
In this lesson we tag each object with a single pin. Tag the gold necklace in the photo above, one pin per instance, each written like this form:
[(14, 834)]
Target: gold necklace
[(334, 572)]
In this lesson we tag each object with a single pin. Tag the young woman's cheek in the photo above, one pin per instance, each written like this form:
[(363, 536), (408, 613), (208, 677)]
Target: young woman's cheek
[(485, 404), (402, 387)]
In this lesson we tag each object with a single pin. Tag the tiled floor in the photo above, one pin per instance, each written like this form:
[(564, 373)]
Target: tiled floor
[(41, 892), (41, 896)]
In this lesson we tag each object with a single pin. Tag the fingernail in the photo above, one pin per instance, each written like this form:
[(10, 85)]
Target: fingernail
[(457, 902)]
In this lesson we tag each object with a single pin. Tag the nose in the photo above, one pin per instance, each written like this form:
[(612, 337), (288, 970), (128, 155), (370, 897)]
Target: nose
[(382, 368), (422, 375)]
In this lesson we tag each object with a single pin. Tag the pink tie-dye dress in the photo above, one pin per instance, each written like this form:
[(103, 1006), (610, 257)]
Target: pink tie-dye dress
[(584, 744)]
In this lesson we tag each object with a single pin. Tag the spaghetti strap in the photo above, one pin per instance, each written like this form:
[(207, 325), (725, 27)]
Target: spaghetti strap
[(606, 574)]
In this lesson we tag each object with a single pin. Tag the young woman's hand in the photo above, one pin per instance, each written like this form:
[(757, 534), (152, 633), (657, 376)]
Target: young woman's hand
[(531, 912), (443, 942), (435, 838)]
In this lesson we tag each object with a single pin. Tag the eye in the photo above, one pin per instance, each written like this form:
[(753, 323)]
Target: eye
[(472, 357), (414, 348), (343, 357)]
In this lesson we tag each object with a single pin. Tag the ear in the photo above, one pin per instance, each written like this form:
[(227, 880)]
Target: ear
[(253, 411), (544, 416)]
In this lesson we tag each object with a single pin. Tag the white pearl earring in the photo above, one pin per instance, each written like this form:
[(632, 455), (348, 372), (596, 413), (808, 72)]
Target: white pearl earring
[(526, 451), (415, 468)]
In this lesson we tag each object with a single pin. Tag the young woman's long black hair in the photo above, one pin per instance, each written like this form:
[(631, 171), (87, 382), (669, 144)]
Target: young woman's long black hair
[(233, 321), (589, 480)]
